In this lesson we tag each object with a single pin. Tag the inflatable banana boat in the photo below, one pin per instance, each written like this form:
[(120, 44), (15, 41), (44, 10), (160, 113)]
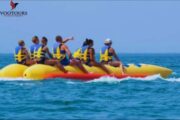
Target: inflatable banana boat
[(42, 72)]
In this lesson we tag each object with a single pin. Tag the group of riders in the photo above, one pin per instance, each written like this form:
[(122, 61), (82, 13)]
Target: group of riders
[(61, 55)]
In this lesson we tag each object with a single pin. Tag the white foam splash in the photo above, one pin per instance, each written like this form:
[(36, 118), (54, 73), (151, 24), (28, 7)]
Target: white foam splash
[(14, 79), (173, 79), (149, 78), (107, 79), (70, 82), (114, 80)]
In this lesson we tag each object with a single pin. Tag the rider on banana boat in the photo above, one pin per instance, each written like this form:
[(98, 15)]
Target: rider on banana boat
[(42, 55), (35, 41), (87, 55), (59, 52), (21, 54), (78, 53), (107, 53)]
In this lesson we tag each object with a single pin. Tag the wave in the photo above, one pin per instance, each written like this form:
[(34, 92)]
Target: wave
[(149, 78), (173, 79), (112, 79), (14, 79)]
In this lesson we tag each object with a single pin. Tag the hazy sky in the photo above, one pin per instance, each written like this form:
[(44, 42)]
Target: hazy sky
[(134, 26)]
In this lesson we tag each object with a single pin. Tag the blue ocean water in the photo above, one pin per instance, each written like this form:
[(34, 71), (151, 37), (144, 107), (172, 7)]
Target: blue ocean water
[(105, 98)]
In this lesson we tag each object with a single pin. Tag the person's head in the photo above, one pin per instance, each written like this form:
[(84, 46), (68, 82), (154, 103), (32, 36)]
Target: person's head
[(21, 43), (59, 39), (35, 40), (90, 42), (44, 40), (108, 42)]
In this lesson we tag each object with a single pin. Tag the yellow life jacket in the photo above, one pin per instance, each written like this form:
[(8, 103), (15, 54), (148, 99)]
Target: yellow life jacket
[(77, 54), (31, 56), (57, 53), (18, 55), (39, 54), (32, 50), (82, 54), (105, 55), (85, 55)]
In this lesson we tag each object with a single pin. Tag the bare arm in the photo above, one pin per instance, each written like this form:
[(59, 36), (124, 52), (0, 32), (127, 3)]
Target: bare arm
[(26, 53), (114, 54), (116, 57), (48, 52), (91, 52), (68, 39), (67, 51)]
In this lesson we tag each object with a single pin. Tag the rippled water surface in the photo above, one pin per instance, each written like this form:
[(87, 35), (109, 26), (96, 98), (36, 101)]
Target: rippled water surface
[(105, 98)]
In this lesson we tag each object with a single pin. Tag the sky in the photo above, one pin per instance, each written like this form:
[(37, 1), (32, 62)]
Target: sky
[(134, 26)]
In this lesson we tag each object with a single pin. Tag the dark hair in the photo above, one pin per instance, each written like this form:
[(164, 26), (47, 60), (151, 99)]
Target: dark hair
[(44, 38), (58, 37), (87, 42), (90, 41), (34, 38), (21, 42)]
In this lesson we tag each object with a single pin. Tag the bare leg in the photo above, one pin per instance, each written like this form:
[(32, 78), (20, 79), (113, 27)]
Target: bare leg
[(115, 63), (122, 69), (101, 66), (79, 65), (55, 63), (30, 62)]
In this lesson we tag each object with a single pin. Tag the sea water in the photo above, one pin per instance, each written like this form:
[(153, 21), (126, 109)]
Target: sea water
[(152, 97)]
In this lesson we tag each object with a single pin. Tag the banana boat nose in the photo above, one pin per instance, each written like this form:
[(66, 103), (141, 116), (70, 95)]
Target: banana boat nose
[(153, 69), (165, 72), (147, 69)]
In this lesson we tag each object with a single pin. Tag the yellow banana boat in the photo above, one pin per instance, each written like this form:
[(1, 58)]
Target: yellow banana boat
[(40, 72)]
